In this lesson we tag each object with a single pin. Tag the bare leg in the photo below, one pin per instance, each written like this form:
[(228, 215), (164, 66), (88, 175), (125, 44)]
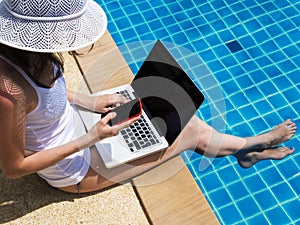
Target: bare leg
[(203, 139)]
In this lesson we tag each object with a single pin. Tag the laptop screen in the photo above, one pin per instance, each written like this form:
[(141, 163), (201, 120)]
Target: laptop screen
[(169, 96)]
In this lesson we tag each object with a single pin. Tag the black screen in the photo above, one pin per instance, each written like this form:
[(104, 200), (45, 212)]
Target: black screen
[(169, 96)]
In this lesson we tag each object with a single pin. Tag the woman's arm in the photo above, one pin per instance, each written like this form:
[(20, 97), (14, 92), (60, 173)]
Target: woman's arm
[(102, 103), (13, 162)]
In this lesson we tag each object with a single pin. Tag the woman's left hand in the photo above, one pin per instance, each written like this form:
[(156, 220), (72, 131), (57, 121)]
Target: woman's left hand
[(101, 103), (105, 103)]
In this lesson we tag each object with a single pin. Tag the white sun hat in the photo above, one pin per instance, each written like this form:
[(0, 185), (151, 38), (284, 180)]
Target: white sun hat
[(51, 25)]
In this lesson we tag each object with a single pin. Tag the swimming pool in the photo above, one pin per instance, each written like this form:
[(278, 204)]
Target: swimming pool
[(250, 54)]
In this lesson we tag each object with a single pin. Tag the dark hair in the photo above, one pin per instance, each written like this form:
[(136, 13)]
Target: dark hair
[(33, 63)]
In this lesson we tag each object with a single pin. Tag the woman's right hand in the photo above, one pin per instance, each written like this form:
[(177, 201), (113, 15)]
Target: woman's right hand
[(102, 130)]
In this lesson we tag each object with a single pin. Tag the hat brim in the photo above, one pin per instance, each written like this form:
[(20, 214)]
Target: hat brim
[(55, 36)]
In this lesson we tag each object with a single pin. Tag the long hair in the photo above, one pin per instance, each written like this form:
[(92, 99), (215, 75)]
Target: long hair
[(33, 63)]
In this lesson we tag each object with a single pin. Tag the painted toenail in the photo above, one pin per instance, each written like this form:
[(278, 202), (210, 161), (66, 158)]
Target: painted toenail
[(291, 148)]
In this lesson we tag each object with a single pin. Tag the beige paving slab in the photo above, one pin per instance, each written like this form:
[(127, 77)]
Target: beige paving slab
[(104, 67), (30, 200), (173, 197)]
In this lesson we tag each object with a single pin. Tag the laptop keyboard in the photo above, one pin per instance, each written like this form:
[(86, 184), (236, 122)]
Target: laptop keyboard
[(126, 94), (139, 136)]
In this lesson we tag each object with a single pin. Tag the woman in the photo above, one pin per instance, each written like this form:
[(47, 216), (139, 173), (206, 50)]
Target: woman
[(36, 115)]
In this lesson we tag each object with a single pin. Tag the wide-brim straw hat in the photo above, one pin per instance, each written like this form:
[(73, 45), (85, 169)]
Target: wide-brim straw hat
[(51, 25)]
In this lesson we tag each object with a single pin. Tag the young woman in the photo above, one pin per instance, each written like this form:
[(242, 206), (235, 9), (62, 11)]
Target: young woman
[(36, 112)]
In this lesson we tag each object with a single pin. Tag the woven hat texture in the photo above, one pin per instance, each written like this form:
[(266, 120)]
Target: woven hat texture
[(51, 25)]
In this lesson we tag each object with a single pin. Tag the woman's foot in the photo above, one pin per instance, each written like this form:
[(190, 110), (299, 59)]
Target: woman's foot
[(281, 133), (247, 158)]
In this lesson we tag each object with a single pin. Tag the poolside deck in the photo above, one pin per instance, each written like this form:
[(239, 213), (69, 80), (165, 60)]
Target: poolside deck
[(146, 199)]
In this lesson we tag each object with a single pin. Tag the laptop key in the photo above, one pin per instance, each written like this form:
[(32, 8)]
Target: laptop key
[(137, 145)]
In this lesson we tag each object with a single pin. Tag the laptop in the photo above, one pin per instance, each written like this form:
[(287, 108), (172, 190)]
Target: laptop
[(169, 98)]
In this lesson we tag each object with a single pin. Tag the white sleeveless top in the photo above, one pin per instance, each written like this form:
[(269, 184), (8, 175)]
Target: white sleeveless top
[(51, 124)]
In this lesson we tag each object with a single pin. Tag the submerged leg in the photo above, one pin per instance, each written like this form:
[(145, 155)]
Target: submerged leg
[(202, 138)]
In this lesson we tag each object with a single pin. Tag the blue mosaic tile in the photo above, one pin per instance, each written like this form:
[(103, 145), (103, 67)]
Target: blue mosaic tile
[(277, 56), (255, 52), (244, 81), (220, 197), (253, 94), (243, 130), (293, 207), (291, 51), (231, 20), (234, 46), (257, 10), (283, 192), (265, 20), (259, 124), (263, 107), (261, 36), (248, 112), (270, 176), (258, 219), (213, 182), (239, 99), (237, 71), (277, 101), (265, 199), (277, 216), (238, 190), (221, 51), (254, 184), (230, 215), (291, 95), (248, 207)]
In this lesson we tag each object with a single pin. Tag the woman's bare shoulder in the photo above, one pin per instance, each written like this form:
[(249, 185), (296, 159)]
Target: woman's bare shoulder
[(10, 83)]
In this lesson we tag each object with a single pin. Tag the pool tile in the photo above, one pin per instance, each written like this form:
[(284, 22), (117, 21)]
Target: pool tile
[(212, 182), (234, 46), (265, 20), (236, 71), (293, 207), (257, 10), (230, 215), (243, 130), (265, 199), (291, 51), (220, 198), (263, 107), (239, 99), (231, 20), (267, 88), (269, 6), (250, 66), (283, 192), (244, 81), (277, 56), (277, 101), (291, 95), (248, 207), (260, 36), (238, 190), (277, 216), (258, 219), (226, 35), (271, 176), (254, 183)]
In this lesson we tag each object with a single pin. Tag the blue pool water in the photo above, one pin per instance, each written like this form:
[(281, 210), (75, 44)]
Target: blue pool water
[(245, 57)]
